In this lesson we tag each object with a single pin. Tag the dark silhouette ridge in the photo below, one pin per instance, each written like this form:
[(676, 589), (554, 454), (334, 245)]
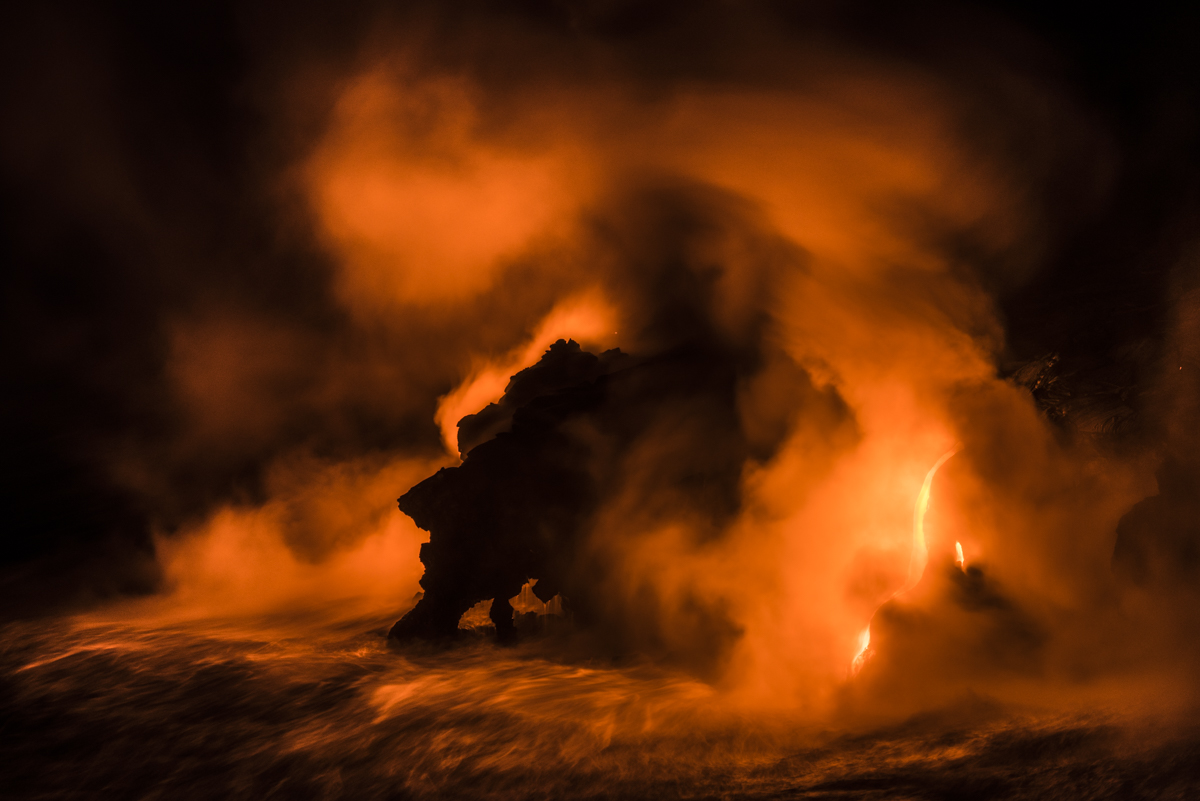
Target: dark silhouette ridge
[(521, 504), (1158, 540), (515, 506)]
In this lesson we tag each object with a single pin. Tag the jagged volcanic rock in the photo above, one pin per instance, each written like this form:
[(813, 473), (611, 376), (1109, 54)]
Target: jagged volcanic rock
[(538, 463)]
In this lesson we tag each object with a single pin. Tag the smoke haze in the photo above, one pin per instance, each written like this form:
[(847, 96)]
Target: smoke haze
[(265, 260)]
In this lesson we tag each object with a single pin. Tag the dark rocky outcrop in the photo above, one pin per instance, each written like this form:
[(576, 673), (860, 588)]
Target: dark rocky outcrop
[(1158, 541), (516, 506), (585, 455), (538, 464)]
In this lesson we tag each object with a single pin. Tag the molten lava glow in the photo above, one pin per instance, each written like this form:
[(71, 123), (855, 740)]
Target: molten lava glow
[(920, 551), (467, 232), (830, 233), (864, 642), (917, 561)]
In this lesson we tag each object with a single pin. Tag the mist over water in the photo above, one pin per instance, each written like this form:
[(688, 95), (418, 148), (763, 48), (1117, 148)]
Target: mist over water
[(890, 491)]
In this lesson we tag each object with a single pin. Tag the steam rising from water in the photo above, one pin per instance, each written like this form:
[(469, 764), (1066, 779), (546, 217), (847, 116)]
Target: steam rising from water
[(800, 223), (828, 224)]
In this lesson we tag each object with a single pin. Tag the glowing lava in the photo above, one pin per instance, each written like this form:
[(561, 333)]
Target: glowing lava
[(864, 643), (916, 563)]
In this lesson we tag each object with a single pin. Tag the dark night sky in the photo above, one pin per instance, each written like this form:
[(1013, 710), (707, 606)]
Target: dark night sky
[(139, 149)]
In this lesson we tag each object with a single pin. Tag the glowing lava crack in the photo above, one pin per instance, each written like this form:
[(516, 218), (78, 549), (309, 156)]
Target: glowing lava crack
[(916, 563)]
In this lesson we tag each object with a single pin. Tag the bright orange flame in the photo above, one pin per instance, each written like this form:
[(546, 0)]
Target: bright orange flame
[(958, 557)]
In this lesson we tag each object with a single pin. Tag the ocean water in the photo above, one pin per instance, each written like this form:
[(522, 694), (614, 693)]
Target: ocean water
[(315, 709)]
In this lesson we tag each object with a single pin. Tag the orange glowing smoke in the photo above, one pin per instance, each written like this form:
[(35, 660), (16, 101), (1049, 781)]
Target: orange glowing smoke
[(587, 318), (428, 197), (419, 202), (837, 208), (330, 536)]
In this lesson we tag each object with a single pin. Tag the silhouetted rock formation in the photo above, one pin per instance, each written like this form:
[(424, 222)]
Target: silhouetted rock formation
[(1087, 401), (972, 628), (563, 366), (515, 507), (1158, 541), (538, 463)]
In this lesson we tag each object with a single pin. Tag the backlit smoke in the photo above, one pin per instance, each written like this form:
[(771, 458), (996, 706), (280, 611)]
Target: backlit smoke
[(813, 240), (795, 227), (808, 212)]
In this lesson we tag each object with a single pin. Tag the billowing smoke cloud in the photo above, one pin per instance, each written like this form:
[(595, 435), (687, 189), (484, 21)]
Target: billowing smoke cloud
[(835, 234)]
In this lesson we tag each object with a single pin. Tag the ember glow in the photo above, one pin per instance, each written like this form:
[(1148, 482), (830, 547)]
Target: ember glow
[(920, 549), (916, 562), (700, 348)]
